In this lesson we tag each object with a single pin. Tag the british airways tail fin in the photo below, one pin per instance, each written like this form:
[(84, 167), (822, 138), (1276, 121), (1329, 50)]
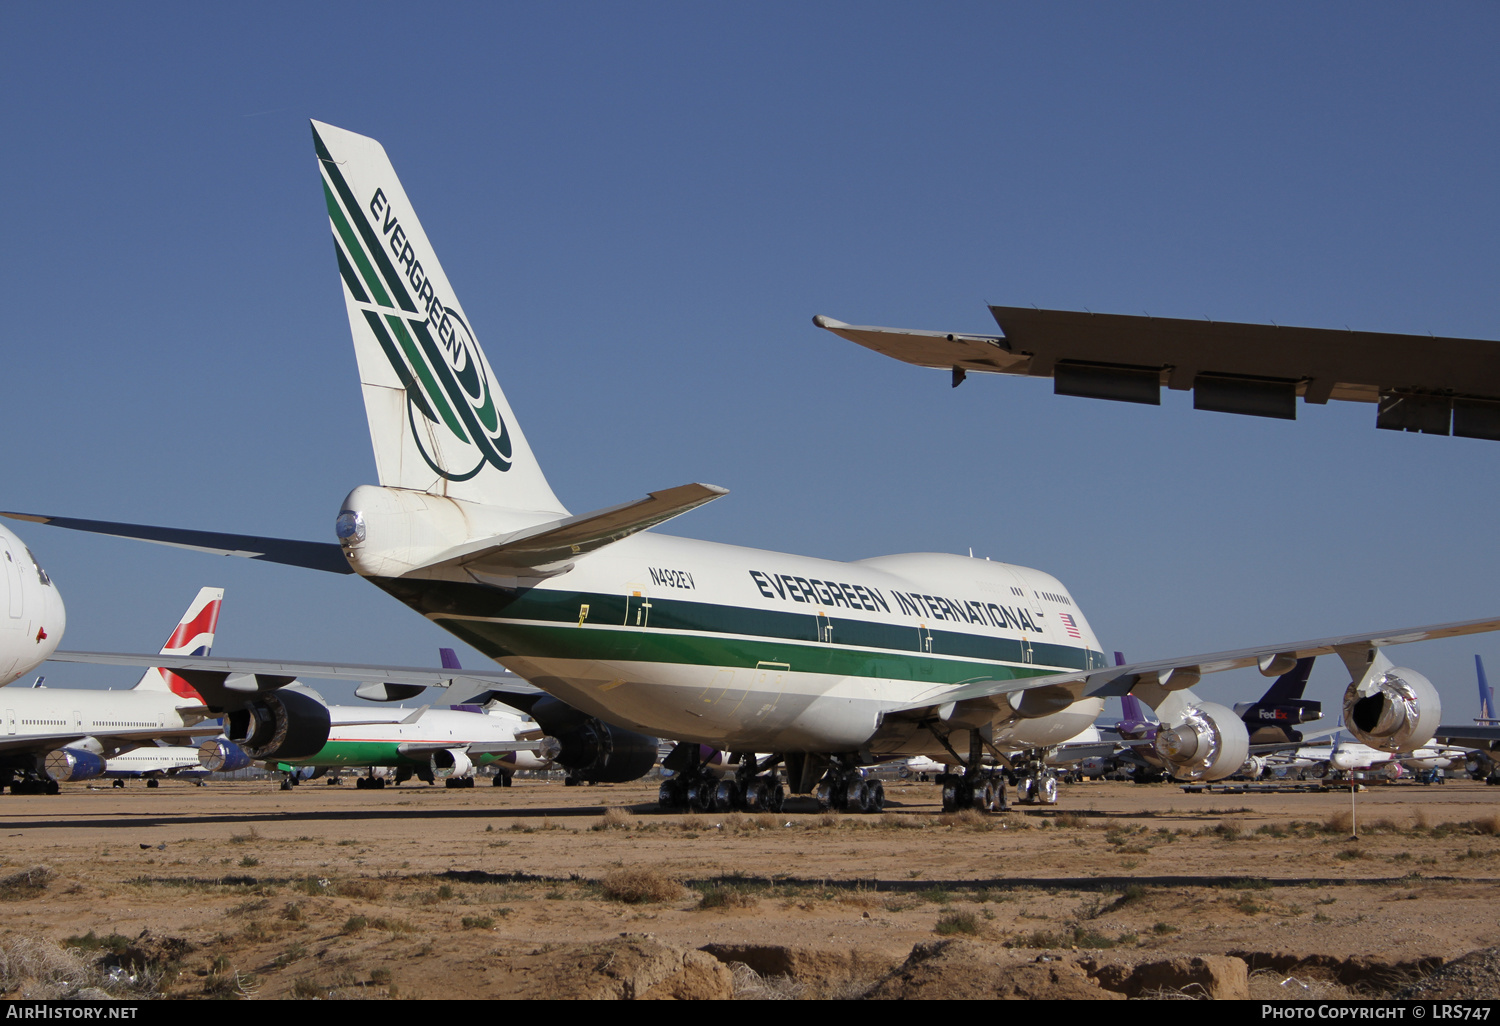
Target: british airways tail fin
[(438, 420), (193, 636)]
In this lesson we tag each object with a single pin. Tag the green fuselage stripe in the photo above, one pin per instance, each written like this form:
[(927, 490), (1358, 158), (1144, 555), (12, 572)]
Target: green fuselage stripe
[(544, 623), (372, 753)]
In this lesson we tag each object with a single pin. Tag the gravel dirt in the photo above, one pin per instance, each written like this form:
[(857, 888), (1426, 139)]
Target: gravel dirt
[(243, 890)]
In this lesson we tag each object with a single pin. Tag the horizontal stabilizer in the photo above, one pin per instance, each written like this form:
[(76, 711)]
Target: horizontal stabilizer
[(550, 548), (325, 556)]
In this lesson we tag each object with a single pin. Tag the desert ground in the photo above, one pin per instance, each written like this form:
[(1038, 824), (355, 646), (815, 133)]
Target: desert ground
[(241, 890)]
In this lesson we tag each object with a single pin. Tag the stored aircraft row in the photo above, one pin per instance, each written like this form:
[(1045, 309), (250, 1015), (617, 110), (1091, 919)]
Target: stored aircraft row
[(825, 665)]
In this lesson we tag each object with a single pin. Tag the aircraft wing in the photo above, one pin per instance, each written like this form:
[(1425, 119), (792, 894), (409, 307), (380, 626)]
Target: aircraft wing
[(1421, 382), (227, 683), (1053, 692), (313, 555), (420, 748), (1473, 735), (52, 742)]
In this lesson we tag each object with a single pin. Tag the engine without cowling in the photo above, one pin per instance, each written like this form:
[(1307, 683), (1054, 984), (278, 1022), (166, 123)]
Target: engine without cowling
[(291, 723), (1207, 742), (1397, 710), (594, 750)]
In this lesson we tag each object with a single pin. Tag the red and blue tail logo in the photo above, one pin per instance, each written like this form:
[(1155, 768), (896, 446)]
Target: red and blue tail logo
[(194, 636)]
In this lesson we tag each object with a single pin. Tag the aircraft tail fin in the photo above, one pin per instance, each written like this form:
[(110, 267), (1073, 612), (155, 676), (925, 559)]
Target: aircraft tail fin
[(1486, 693), (439, 422), (194, 636)]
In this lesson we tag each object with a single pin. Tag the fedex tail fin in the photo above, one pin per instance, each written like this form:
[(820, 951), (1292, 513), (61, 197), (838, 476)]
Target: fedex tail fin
[(1486, 693), (194, 636), (1290, 685), (438, 420)]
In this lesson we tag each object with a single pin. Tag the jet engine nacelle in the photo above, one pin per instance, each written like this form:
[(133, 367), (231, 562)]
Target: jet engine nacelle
[(291, 723), (1208, 742), (594, 749), (67, 764), (1394, 711), (220, 756), (451, 762), (1253, 767)]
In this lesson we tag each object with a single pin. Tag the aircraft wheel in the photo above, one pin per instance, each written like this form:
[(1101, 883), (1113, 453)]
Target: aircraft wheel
[(727, 796), (877, 796), (153, 782), (118, 783), (856, 796), (825, 794), (1026, 790), (700, 795), (52, 787), (1046, 791), (286, 785), (671, 796), (987, 796)]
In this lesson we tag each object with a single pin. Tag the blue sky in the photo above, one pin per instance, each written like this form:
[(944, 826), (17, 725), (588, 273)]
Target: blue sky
[(642, 206)]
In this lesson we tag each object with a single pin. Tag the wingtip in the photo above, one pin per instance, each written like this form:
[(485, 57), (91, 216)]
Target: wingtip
[(830, 323)]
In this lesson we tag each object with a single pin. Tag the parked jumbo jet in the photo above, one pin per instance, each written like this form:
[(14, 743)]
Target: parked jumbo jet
[(35, 618), (827, 665), (62, 734)]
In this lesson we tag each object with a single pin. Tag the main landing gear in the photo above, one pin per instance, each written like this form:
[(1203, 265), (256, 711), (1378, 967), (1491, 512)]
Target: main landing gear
[(845, 789), (1036, 784), (692, 788), (977, 787), (459, 782), (30, 784)]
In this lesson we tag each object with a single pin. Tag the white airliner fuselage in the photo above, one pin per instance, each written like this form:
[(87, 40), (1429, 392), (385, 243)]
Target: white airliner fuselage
[(32, 617)]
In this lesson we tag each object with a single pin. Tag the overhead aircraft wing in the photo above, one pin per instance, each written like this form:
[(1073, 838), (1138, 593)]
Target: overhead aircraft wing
[(226, 683), (1152, 680), (550, 548), (313, 555), (1421, 382), (1473, 735)]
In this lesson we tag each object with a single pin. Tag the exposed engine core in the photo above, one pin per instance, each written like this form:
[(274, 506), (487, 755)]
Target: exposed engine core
[(1253, 767), (289, 724), (67, 764), (451, 762), (1395, 711), (219, 756), (593, 749), (1209, 743)]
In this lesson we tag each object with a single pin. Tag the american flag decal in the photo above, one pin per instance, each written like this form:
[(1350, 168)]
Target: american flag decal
[(1070, 625)]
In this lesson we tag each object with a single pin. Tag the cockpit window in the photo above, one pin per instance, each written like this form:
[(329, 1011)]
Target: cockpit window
[(41, 574)]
